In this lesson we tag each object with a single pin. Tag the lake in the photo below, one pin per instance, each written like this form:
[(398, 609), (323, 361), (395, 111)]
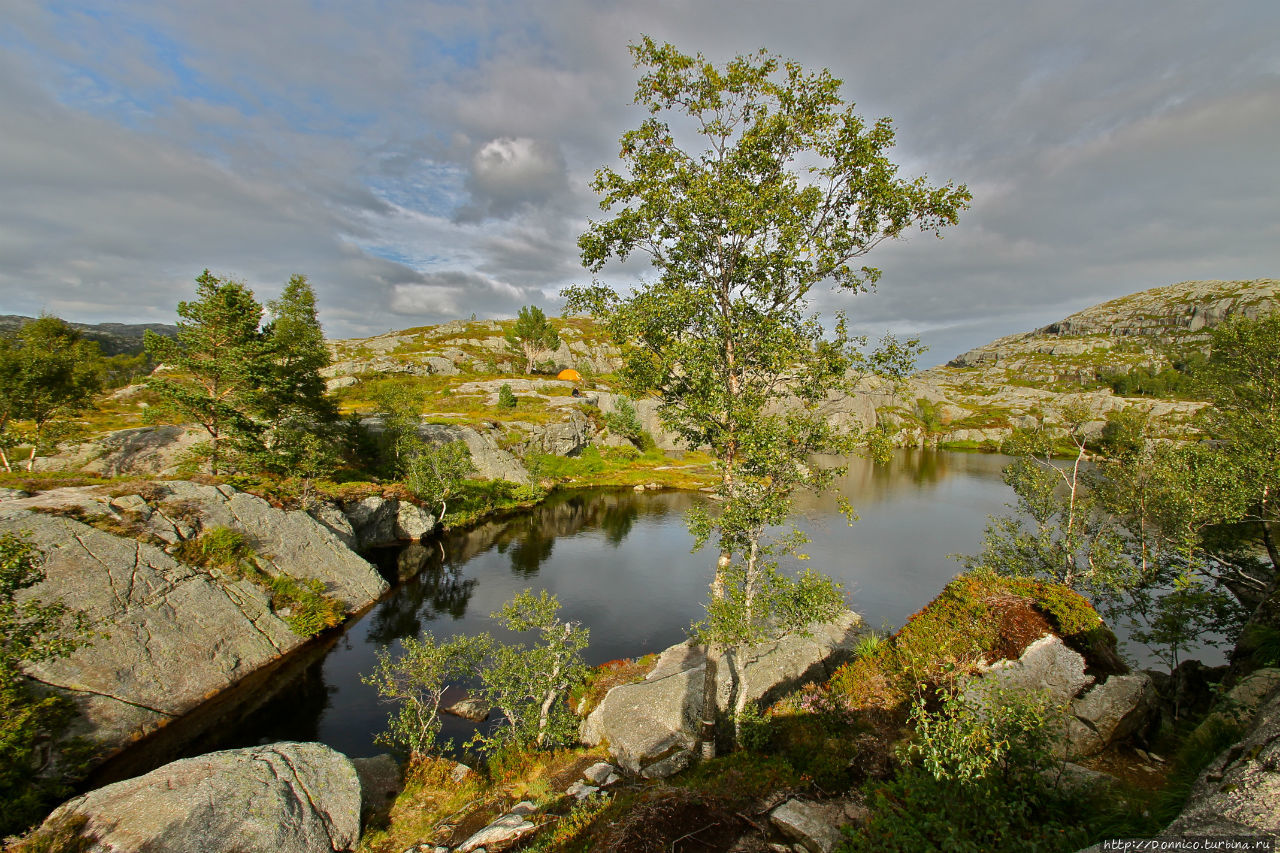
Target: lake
[(619, 561)]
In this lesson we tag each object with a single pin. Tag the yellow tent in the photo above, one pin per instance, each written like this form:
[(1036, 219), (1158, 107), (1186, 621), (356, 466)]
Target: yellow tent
[(569, 375)]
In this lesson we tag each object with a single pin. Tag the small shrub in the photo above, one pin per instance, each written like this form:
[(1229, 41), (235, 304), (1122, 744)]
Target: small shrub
[(506, 398), (310, 611), (572, 826)]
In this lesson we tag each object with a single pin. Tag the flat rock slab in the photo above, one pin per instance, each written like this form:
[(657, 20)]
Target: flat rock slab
[(168, 636), (503, 832), (282, 798)]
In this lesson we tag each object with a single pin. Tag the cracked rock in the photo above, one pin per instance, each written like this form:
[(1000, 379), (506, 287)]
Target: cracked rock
[(285, 797)]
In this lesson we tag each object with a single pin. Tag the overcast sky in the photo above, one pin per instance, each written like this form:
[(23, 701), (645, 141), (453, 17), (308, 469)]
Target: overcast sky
[(421, 160)]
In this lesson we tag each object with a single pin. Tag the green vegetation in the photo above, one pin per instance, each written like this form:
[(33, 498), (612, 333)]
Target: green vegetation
[(47, 373), (528, 685), (738, 234), (300, 602), (416, 681), (31, 631), (531, 335), (506, 399), (257, 390)]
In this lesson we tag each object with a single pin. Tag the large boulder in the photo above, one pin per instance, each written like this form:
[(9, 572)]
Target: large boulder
[(1112, 711), (281, 798), (650, 725), (1097, 714), (1047, 664), (166, 635), (377, 521)]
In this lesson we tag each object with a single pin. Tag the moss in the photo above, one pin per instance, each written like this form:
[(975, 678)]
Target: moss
[(963, 626)]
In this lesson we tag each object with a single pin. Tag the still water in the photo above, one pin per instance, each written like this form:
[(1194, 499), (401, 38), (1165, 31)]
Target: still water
[(620, 562)]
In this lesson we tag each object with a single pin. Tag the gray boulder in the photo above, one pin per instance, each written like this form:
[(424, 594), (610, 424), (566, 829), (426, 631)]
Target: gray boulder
[(1111, 711), (1098, 716), (1239, 792), (813, 826), (650, 725), (373, 520), (1047, 664), (503, 832), (282, 798)]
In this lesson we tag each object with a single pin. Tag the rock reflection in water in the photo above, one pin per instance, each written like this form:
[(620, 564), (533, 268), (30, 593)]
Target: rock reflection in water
[(620, 562)]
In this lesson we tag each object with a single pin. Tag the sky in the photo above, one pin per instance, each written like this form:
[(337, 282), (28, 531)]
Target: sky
[(424, 160)]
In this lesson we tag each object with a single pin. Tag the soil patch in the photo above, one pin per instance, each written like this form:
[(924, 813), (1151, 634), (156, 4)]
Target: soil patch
[(672, 820)]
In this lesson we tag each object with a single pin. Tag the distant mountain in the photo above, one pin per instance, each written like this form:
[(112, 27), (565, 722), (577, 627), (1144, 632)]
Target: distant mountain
[(113, 338)]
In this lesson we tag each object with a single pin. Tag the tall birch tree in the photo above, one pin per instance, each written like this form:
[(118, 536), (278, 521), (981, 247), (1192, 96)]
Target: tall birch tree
[(746, 186)]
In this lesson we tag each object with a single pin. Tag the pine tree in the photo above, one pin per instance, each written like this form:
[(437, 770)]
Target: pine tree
[(217, 365), (293, 402)]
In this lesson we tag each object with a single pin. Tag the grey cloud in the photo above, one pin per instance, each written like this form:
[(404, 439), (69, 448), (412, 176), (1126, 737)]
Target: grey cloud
[(1110, 147), (508, 174)]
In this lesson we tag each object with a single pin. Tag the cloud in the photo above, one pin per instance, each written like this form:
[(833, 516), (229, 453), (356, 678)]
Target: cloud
[(509, 174), (422, 157), (444, 296)]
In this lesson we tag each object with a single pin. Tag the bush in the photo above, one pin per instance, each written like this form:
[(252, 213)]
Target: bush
[(974, 783), (623, 420), (30, 631), (417, 681), (506, 398)]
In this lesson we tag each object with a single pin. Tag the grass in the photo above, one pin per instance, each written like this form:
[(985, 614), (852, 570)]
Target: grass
[(603, 678), (300, 602), (622, 467)]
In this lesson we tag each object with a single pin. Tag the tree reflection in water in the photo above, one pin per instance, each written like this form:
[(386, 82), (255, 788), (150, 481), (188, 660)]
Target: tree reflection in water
[(433, 587)]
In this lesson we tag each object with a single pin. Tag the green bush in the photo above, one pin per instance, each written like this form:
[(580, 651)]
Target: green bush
[(975, 783), (506, 398), (30, 631)]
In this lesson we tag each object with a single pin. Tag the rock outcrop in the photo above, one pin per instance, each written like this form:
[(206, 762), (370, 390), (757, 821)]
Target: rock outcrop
[(1026, 379), (283, 797), (650, 725), (146, 451), (1239, 792), (168, 635), (1097, 714)]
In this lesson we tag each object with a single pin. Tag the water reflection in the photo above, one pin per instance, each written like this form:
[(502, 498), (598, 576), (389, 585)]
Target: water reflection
[(620, 562)]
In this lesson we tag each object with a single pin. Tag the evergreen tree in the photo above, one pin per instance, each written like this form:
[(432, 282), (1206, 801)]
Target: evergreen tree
[(300, 420), (218, 365)]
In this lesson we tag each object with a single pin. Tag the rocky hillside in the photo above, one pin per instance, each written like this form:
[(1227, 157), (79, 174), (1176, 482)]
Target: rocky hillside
[(1026, 379)]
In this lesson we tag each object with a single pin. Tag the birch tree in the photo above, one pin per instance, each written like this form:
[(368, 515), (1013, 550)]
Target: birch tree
[(746, 186)]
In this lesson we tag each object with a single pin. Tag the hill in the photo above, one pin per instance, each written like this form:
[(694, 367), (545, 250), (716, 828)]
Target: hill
[(113, 338), (1131, 351)]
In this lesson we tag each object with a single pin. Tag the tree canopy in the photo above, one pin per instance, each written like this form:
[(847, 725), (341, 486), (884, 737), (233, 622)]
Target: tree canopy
[(531, 335), (47, 371), (746, 186), (255, 387)]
